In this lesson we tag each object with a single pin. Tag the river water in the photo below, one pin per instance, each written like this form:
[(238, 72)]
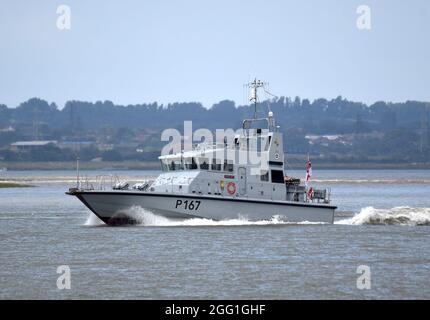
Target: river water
[(382, 226)]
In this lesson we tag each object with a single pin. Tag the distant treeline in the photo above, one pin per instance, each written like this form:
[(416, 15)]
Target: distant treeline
[(403, 127), (321, 116)]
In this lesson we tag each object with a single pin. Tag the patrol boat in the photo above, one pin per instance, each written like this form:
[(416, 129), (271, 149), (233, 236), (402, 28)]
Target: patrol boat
[(213, 181)]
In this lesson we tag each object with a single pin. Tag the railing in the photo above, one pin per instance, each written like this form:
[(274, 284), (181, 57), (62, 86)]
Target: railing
[(319, 195), (111, 182), (98, 183)]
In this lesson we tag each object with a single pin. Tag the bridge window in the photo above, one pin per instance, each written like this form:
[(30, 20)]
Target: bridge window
[(193, 164), (204, 164), (277, 176), (216, 166), (190, 164), (175, 165), (164, 165), (172, 166), (268, 143), (228, 166)]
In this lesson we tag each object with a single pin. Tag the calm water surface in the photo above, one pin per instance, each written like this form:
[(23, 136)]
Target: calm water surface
[(383, 221)]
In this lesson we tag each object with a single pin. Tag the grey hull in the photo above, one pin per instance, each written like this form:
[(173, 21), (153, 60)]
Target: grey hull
[(114, 207)]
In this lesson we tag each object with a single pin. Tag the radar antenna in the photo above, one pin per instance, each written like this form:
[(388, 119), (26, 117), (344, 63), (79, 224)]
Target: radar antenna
[(254, 85)]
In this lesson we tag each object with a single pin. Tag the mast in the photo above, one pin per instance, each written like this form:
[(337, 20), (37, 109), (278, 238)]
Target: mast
[(254, 85), (78, 182)]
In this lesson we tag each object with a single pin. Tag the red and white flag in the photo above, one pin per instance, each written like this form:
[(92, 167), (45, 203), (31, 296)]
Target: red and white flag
[(308, 172)]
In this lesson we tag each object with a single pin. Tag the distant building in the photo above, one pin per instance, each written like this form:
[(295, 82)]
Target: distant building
[(25, 145)]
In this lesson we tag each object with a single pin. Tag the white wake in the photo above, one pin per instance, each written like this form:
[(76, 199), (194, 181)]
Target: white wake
[(93, 220), (407, 216), (145, 217)]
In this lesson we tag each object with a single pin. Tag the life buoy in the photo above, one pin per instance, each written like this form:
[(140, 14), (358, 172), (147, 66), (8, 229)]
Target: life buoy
[(231, 188)]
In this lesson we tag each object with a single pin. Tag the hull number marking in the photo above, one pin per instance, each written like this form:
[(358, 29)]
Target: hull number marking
[(188, 205)]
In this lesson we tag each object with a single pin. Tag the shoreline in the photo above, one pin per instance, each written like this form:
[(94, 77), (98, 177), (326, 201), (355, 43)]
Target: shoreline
[(155, 165), (4, 185)]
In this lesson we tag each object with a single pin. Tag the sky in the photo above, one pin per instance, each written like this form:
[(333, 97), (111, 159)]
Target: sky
[(165, 51)]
